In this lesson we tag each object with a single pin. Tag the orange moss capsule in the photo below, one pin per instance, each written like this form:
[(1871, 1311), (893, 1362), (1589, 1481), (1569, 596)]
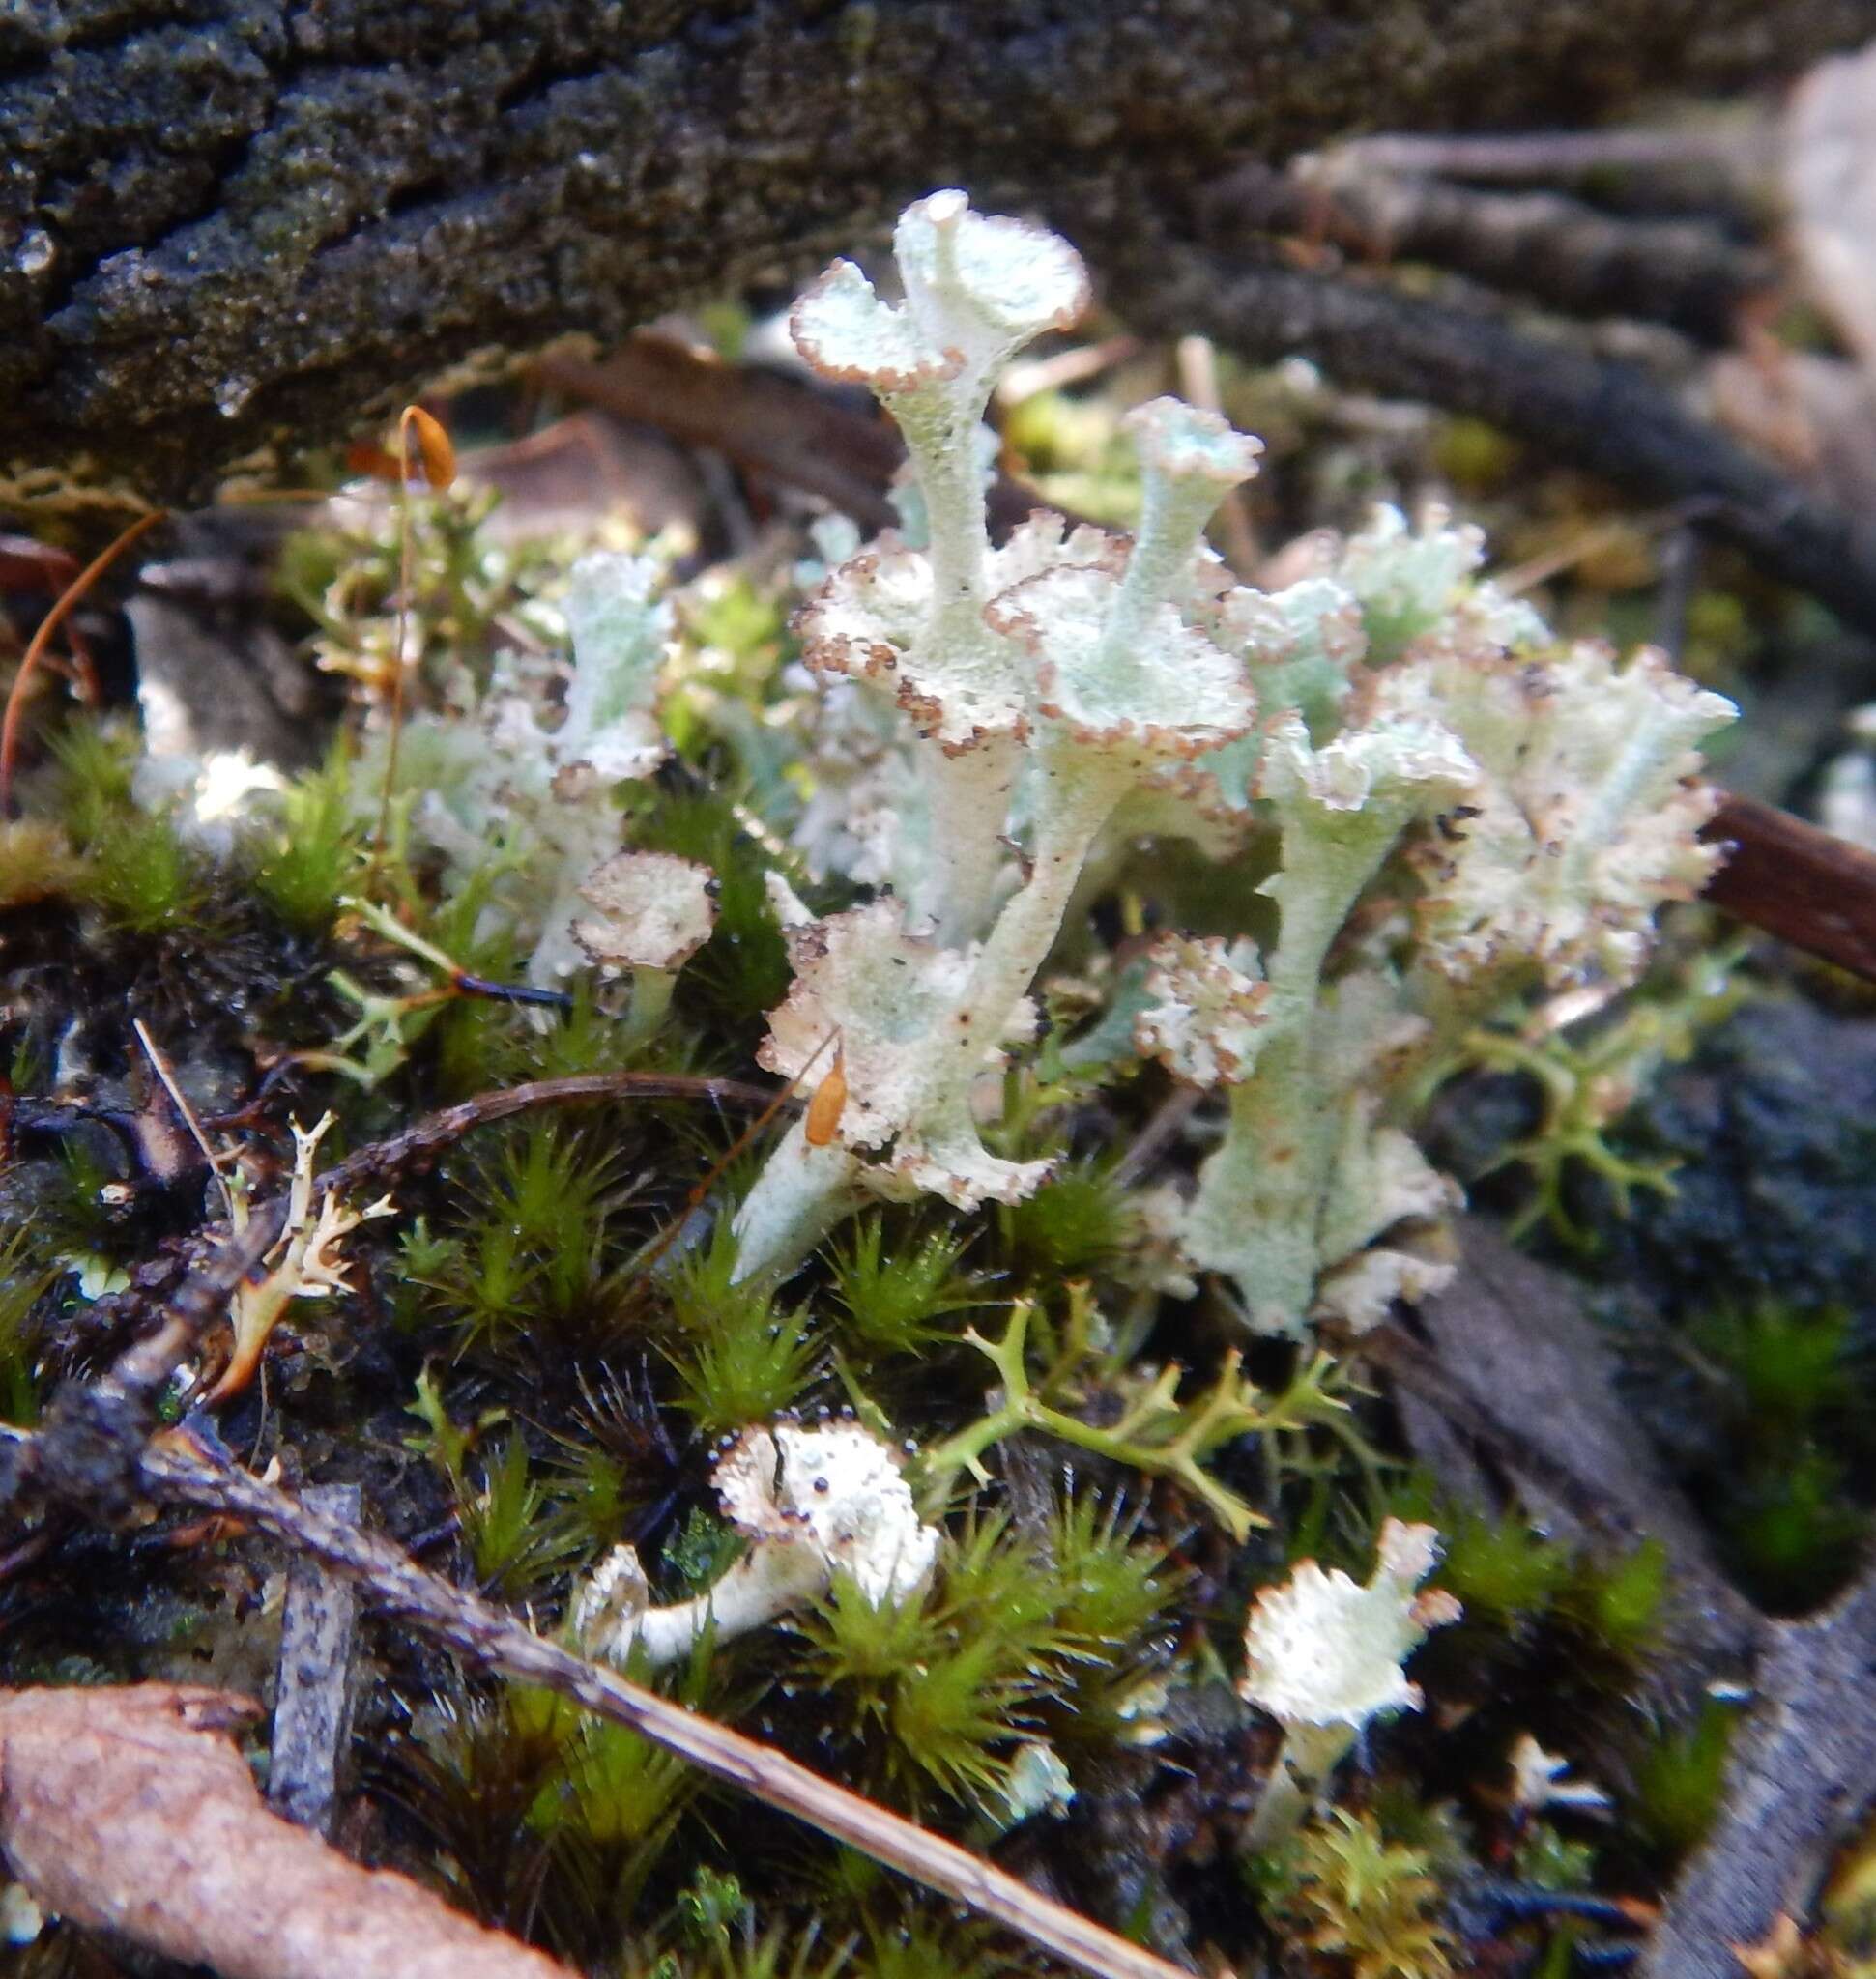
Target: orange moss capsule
[(438, 455), (828, 1103)]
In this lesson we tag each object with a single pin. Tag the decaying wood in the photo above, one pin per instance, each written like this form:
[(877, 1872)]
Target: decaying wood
[(312, 1701), (1511, 1369), (1562, 251), (130, 1810), (1607, 417), (237, 220), (1802, 1771)]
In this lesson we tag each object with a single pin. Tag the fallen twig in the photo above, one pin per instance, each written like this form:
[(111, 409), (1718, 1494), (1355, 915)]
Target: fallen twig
[(1808, 888), (1609, 418), (181, 1472), (311, 1713), (129, 1810), (85, 1456), (1799, 1780), (1562, 251), (437, 1130)]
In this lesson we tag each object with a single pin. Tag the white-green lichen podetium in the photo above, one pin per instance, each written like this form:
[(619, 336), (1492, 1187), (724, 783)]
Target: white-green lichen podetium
[(1458, 810), (1061, 653)]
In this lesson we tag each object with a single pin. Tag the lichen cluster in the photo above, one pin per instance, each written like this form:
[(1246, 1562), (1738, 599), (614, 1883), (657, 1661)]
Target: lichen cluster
[(919, 1425)]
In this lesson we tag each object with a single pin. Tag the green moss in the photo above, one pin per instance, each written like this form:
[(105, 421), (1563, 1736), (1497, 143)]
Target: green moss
[(1791, 1531), (515, 1534), (1502, 1570), (894, 1297), (25, 1277), (1368, 1903), (740, 1359), (1679, 1781), (1618, 1602), (1016, 1638), (303, 866), (530, 1242), (142, 877), (1795, 1405), (1787, 1360), (1070, 1226)]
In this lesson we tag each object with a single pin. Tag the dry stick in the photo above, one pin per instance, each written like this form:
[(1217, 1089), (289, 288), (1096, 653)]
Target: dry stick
[(438, 1130), (1610, 419), (86, 1454), (207, 1261), (67, 601), (1808, 888), (1568, 255), (166, 1073), (176, 1470), (314, 1679)]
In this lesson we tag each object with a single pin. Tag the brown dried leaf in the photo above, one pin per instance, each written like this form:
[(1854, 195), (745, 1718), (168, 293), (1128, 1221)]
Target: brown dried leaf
[(130, 1810)]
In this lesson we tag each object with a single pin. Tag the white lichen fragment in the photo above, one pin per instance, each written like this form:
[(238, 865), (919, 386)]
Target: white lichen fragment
[(1541, 1782), (515, 792), (1453, 811), (1585, 819), (814, 1504), (1324, 1657), (1287, 1198), (1092, 652), (1037, 1782), (303, 1263), (1205, 1020), (652, 912)]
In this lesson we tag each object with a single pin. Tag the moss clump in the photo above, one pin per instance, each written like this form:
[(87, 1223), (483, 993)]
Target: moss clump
[(894, 1297), (1018, 1638), (1679, 1779), (1791, 1394), (738, 1356), (1369, 1904)]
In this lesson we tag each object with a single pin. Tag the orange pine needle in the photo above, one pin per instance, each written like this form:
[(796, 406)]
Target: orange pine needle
[(67, 601)]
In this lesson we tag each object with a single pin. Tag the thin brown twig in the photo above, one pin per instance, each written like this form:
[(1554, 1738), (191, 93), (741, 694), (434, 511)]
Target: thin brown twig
[(67, 601), (438, 1130), (179, 1471), (166, 1073), (1806, 886)]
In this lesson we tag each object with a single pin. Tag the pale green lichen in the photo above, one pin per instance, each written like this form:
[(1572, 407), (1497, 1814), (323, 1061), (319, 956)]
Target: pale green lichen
[(1401, 742)]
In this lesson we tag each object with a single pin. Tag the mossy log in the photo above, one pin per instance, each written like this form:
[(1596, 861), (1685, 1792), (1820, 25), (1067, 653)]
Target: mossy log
[(228, 223)]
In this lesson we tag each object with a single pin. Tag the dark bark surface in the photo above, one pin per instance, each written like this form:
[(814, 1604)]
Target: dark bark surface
[(225, 222)]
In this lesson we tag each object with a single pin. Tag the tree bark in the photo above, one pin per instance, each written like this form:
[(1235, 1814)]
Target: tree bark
[(230, 226)]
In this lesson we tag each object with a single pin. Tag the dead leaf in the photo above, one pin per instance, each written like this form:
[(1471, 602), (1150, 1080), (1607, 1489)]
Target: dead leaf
[(130, 1810)]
